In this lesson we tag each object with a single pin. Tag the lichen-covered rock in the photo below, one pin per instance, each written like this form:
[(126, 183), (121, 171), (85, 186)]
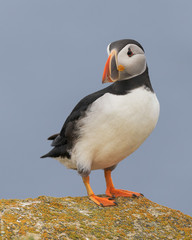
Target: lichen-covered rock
[(79, 218)]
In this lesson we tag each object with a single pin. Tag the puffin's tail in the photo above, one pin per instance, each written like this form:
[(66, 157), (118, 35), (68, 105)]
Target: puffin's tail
[(57, 152), (44, 156)]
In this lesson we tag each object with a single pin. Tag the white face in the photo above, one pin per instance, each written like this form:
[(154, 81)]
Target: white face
[(133, 60)]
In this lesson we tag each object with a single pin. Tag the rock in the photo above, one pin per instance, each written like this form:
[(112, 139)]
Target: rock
[(79, 218)]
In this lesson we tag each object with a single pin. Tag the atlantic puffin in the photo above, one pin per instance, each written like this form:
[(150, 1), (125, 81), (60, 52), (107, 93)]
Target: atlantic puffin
[(107, 126)]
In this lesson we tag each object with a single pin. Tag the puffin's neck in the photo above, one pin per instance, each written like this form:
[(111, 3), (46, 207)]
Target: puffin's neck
[(126, 85)]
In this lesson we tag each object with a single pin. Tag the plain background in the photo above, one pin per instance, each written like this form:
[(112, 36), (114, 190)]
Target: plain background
[(52, 54)]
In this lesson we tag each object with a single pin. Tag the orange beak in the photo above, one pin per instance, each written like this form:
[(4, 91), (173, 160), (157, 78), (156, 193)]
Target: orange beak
[(111, 73)]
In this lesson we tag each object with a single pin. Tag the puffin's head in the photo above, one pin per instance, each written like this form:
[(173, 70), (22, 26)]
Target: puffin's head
[(126, 60)]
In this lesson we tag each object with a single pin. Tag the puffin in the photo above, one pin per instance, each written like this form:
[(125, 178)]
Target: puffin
[(108, 125)]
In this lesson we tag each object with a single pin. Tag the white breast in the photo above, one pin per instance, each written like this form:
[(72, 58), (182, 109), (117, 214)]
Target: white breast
[(114, 127)]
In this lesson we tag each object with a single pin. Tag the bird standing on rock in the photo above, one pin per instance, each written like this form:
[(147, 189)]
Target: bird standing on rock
[(107, 126)]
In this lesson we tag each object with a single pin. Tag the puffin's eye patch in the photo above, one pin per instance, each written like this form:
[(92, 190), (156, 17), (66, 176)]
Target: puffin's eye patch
[(130, 53)]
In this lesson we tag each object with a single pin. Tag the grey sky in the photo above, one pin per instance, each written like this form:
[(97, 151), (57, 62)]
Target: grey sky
[(52, 53)]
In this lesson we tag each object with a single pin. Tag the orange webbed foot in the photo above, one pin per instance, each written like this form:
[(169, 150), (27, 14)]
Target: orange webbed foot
[(113, 192), (103, 201), (122, 193)]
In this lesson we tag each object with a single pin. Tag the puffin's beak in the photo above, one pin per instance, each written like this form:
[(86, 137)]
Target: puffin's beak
[(111, 73)]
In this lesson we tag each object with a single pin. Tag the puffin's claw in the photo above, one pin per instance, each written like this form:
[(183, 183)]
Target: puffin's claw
[(111, 198), (134, 196), (116, 203)]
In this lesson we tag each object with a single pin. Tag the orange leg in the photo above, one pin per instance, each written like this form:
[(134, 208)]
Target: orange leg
[(113, 192), (104, 202)]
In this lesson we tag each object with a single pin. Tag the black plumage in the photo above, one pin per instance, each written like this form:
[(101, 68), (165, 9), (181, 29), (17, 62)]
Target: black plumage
[(120, 44)]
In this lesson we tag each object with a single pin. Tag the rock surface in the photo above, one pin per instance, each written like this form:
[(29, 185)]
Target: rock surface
[(79, 218)]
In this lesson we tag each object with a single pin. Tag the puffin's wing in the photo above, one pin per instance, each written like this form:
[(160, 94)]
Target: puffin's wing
[(63, 141), (67, 131)]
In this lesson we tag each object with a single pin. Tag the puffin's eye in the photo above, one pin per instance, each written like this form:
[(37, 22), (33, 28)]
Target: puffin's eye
[(130, 53)]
